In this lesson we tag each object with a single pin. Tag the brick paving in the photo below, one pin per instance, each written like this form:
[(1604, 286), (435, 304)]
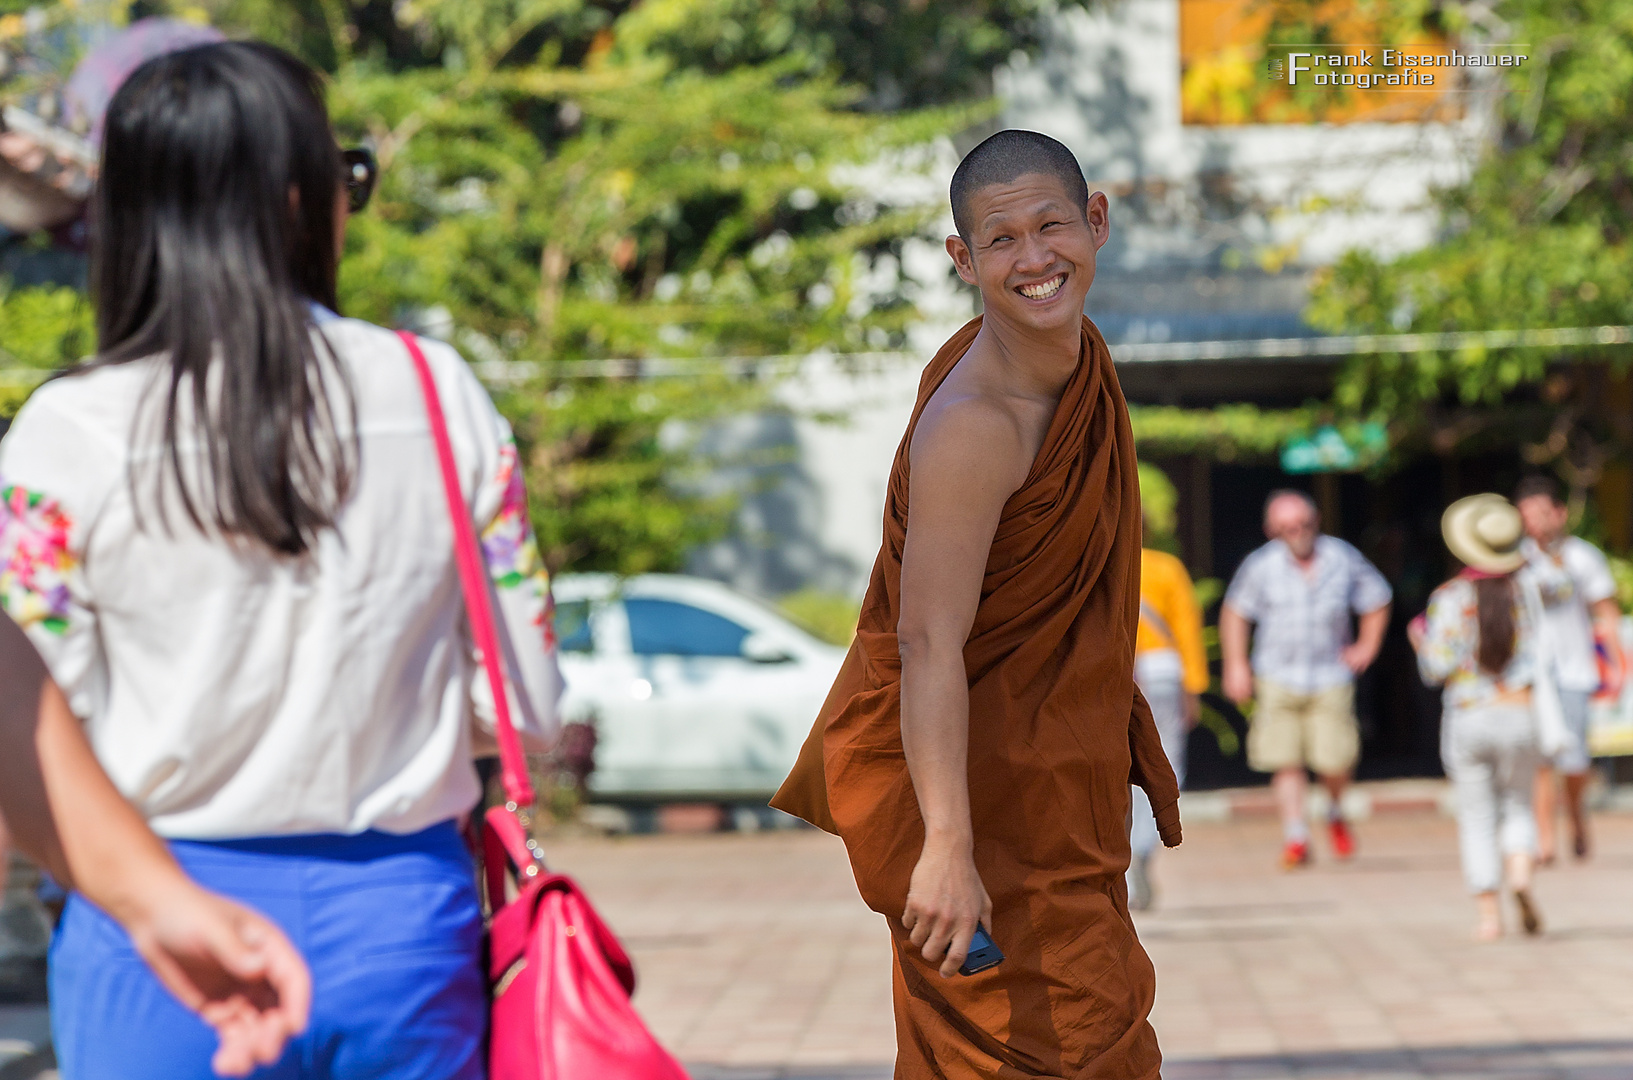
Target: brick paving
[(1369, 970), (759, 962)]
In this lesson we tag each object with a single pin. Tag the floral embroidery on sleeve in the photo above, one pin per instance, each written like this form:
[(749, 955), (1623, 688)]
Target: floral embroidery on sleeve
[(507, 542), (511, 550), (35, 559)]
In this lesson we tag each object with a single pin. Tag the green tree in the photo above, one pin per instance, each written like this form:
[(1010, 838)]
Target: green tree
[(41, 330), (575, 180), (1538, 237), (570, 181)]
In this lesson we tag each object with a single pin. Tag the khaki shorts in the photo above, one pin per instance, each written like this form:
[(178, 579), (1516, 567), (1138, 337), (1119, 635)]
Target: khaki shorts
[(1290, 728)]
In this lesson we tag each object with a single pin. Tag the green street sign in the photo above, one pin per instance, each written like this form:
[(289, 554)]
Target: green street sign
[(1329, 450)]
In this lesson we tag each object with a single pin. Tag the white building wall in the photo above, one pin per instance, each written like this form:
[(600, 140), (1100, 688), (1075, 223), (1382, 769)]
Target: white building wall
[(1109, 87)]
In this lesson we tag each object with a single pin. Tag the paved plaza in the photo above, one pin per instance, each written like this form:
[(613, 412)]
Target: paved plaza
[(759, 962)]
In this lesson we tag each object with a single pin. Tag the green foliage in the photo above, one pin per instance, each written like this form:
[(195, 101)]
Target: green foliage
[(904, 54), (1538, 237), (41, 329), (1159, 500), (829, 616), (572, 180), (674, 215), (45, 328), (1223, 433), (567, 180), (1230, 744), (1621, 569), (614, 484)]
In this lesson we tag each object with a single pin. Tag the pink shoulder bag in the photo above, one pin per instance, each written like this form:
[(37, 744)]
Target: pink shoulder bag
[(561, 981)]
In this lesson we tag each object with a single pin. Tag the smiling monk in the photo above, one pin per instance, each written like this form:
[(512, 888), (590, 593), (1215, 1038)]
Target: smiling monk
[(977, 749)]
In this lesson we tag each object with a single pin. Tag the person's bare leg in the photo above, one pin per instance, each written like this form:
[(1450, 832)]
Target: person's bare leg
[(1343, 841), (1490, 924), (1518, 867), (1335, 786), (1291, 790), (1576, 786), (1290, 787), (1544, 798)]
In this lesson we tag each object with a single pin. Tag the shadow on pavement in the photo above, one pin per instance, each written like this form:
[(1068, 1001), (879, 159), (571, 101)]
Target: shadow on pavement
[(1583, 1060)]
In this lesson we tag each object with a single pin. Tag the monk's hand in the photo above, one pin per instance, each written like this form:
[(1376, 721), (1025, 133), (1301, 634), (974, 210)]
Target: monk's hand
[(945, 901)]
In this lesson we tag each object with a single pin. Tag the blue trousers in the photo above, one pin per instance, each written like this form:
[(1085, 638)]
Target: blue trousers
[(390, 926)]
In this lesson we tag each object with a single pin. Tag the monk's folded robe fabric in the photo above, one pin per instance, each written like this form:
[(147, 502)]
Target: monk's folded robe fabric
[(1057, 733)]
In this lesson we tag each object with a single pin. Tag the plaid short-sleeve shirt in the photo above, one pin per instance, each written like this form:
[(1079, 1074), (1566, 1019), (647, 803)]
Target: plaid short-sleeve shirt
[(1303, 620)]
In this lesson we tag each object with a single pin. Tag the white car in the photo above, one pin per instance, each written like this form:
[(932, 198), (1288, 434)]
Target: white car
[(697, 692)]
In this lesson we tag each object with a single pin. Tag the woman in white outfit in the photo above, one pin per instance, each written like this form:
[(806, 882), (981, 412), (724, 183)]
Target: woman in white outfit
[(1480, 639)]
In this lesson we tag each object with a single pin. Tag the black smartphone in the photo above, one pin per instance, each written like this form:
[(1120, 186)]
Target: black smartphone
[(983, 953)]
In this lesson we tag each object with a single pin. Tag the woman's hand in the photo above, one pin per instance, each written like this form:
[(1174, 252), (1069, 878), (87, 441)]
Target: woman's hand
[(227, 963)]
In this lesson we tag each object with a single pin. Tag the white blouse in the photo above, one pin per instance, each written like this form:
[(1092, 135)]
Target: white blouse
[(233, 692)]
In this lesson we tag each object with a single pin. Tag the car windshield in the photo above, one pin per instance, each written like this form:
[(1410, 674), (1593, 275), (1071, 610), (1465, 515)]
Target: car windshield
[(665, 627), (573, 626)]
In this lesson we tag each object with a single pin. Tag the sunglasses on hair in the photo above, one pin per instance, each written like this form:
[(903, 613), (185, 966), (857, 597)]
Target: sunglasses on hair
[(359, 172)]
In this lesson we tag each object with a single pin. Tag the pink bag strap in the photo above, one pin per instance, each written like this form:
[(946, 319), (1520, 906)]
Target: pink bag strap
[(473, 582)]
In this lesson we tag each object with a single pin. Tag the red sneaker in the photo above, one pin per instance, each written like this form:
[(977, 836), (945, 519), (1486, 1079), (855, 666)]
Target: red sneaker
[(1294, 854), (1343, 841)]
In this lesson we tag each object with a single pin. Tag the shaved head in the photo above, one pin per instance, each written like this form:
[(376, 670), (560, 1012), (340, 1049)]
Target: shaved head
[(1010, 154)]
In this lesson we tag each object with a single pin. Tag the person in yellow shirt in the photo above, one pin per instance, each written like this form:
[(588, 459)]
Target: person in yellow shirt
[(1170, 666)]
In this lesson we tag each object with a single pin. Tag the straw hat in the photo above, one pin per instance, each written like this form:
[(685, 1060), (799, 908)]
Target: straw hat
[(1484, 531)]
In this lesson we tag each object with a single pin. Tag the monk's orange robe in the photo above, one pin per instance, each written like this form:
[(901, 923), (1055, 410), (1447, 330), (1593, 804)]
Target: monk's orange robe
[(1057, 733)]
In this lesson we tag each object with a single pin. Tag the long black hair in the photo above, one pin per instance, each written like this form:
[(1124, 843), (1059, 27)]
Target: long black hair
[(1494, 614), (213, 233)]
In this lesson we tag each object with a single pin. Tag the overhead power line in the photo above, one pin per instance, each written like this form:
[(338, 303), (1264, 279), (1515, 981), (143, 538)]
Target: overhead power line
[(1364, 344), (1301, 348), (518, 372)]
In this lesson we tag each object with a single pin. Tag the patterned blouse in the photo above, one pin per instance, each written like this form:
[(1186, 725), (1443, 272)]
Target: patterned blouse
[(1447, 655), (233, 692), (1303, 620)]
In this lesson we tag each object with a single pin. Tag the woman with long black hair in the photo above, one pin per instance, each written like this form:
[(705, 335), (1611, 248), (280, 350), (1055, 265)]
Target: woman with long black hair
[(1480, 639), (225, 533)]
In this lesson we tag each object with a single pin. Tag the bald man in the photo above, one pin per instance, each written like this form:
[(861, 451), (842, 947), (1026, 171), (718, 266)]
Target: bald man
[(1299, 591), (977, 749)]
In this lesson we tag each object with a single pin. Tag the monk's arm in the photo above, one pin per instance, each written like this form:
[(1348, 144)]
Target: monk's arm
[(227, 963), (963, 467)]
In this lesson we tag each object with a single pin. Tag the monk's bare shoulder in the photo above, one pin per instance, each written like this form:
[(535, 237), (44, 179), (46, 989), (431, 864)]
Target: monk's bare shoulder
[(971, 443)]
